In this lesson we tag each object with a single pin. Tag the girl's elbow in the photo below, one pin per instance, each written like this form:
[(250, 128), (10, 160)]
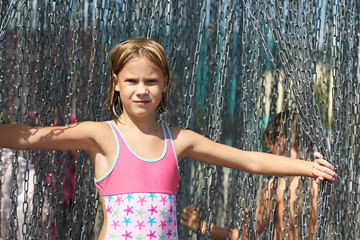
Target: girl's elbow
[(253, 167)]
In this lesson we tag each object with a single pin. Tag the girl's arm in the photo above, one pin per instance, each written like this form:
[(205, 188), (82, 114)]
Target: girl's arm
[(192, 145), (96, 138), (77, 136)]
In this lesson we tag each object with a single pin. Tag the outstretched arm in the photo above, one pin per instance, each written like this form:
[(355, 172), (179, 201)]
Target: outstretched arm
[(77, 136), (193, 145)]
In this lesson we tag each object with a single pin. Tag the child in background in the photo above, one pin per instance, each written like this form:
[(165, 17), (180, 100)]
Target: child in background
[(135, 158), (6, 169), (276, 143), (25, 192)]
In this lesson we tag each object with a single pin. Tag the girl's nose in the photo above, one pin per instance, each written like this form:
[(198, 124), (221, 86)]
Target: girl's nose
[(142, 89)]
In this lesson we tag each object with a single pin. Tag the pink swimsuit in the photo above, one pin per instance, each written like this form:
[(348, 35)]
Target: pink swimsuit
[(139, 193)]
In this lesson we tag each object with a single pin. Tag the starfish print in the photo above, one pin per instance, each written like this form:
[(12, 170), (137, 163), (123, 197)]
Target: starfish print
[(119, 200), (128, 210), (163, 199), (127, 221), (152, 196), (108, 209), (171, 197), (140, 225), (139, 237), (151, 221), (127, 235), (163, 213), (129, 196), (116, 213), (142, 201), (174, 233), (162, 224), (161, 237), (110, 198), (140, 213), (115, 224), (169, 233), (170, 220), (171, 211), (151, 235), (112, 236), (153, 210)]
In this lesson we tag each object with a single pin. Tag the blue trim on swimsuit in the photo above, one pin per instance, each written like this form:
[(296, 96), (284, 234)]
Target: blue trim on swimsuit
[(144, 159), (173, 146)]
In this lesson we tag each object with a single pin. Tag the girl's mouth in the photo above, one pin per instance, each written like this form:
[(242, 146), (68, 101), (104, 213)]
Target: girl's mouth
[(141, 102)]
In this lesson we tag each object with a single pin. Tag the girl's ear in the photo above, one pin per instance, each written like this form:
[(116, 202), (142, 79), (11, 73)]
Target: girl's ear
[(115, 82)]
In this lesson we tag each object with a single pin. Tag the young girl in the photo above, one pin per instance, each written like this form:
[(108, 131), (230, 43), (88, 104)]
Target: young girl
[(135, 158)]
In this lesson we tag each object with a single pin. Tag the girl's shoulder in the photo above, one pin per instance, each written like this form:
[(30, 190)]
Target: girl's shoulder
[(94, 123), (185, 136), (100, 126), (89, 128), (179, 132), (90, 125)]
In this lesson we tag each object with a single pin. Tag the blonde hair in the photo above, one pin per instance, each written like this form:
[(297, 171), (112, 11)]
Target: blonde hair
[(126, 51)]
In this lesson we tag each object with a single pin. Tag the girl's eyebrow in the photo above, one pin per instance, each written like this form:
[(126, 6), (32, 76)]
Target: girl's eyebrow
[(132, 76), (152, 77)]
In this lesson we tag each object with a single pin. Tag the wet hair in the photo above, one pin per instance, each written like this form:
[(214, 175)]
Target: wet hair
[(123, 53), (282, 119)]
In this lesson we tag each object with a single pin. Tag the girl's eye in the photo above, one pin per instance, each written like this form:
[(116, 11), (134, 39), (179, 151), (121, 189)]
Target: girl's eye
[(130, 81), (152, 81)]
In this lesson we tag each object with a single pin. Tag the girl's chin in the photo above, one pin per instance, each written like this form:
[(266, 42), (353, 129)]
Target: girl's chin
[(141, 112)]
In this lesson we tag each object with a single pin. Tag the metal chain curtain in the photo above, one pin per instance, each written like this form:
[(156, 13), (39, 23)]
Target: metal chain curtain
[(235, 64)]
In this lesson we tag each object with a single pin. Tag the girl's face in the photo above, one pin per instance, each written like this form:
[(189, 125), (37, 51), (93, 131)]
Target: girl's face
[(141, 87)]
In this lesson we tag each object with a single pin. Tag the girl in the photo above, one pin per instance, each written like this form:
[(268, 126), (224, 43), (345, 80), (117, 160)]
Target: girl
[(135, 158)]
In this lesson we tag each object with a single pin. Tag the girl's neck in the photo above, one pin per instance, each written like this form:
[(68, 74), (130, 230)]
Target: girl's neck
[(146, 124)]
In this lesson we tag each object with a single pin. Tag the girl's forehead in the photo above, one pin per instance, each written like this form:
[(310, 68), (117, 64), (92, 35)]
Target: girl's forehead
[(139, 60)]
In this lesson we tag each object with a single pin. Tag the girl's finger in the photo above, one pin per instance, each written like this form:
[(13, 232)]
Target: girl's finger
[(318, 155), (185, 210), (319, 180), (325, 173), (325, 163)]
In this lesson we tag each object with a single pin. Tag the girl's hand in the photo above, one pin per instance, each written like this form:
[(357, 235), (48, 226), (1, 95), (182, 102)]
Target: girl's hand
[(322, 169), (190, 219)]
